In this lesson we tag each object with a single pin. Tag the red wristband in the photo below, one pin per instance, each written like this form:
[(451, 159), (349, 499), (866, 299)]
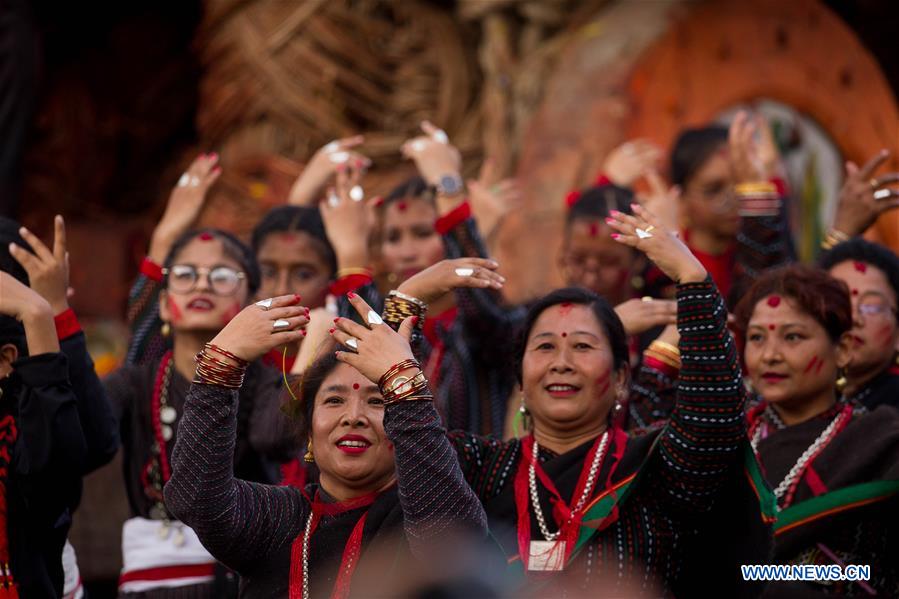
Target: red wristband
[(66, 324), (151, 270), (448, 222), (344, 285), (656, 364)]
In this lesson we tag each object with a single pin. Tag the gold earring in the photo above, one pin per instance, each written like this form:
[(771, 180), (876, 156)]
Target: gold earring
[(166, 329), (309, 458), (841, 383)]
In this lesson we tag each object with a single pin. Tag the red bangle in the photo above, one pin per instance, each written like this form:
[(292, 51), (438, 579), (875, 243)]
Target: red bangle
[(66, 324), (150, 269), (656, 364), (453, 219)]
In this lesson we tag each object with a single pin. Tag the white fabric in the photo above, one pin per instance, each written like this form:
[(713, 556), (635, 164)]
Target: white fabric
[(71, 586), (155, 544)]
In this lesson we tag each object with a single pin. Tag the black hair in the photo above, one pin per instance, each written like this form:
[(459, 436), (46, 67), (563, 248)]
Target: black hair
[(692, 149), (602, 310), (302, 219), (233, 247), (597, 203), (413, 187), (862, 250), (9, 233)]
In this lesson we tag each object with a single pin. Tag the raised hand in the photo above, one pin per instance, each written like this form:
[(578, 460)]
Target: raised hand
[(865, 197), (745, 152), (263, 326), (308, 187), (491, 200), (376, 347), (48, 271), (439, 279), (640, 315), (25, 305), (348, 217), (433, 155), (645, 232), (630, 161), (662, 201), (318, 340), (184, 205)]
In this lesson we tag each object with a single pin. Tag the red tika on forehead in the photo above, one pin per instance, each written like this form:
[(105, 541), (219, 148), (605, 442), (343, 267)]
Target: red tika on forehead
[(594, 229), (205, 236), (401, 206), (774, 301), (288, 236), (860, 267), (855, 292), (356, 386), (565, 308)]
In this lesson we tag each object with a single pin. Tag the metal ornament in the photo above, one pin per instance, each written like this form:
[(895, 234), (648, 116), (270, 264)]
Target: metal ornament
[(280, 325), (356, 193), (374, 318), (881, 194), (440, 136), (167, 414), (333, 199), (184, 180), (166, 432), (265, 304), (352, 343), (464, 272), (339, 157), (645, 234)]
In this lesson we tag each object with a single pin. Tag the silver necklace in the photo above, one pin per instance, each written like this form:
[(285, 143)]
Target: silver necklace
[(800, 464), (588, 487)]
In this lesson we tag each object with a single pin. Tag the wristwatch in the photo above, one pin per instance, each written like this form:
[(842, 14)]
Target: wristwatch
[(450, 185)]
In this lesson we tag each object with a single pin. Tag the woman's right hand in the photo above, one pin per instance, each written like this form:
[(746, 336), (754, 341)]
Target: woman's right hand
[(630, 161), (322, 166), (251, 334), (184, 205), (639, 315), (439, 279), (645, 232), (348, 218)]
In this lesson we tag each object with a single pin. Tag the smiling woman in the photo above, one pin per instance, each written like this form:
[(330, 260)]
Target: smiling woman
[(833, 465)]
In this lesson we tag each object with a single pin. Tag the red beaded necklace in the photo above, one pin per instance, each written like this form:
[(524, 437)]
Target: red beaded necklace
[(158, 471)]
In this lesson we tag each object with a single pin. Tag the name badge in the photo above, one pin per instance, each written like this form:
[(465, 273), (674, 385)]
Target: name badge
[(547, 556)]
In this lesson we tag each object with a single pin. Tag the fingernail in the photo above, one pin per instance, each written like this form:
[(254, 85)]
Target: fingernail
[(304, 332), (614, 213), (610, 221), (615, 235), (296, 297), (331, 331), (336, 320), (379, 201), (351, 295), (217, 170), (214, 156), (13, 247), (634, 206), (415, 320)]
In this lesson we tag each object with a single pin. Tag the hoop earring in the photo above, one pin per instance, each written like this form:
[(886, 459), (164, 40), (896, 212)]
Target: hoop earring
[(309, 458)]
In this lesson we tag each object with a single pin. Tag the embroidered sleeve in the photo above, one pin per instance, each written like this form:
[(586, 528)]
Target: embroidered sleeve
[(487, 463), (701, 441), (147, 343), (653, 395), (239, 522), (435, 497)]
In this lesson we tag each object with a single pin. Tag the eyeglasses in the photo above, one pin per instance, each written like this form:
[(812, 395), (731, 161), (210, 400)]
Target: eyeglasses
[(872, 304), (721, 198), (222, 280)]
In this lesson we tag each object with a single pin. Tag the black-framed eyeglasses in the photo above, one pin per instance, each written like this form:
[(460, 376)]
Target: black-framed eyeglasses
[(222, 280)]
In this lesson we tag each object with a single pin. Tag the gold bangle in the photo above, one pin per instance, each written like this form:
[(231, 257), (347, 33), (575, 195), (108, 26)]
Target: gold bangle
[(662, 358), (663, 346), (346, 272), (755, 188)]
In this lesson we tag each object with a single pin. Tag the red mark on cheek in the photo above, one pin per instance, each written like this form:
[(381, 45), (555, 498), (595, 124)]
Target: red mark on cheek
[(402, 206), (886, 337), (173, 308), (356, 386), (205, 237), (811, 365), (604, 382), (819, 367), (565, 309), (774, 301), (230, 313), (860, 267), (594, 229)]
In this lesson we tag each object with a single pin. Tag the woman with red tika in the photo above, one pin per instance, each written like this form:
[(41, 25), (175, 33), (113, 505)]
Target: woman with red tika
[(834, 466)]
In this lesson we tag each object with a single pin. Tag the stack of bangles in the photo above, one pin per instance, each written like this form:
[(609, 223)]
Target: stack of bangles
[(832, 238), (348, 272), (215, 371), (662, 356), (398, 306), (396, 387), (758, 199)]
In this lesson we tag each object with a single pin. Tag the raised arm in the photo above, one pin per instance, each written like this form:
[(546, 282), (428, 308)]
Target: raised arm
[(703, 436), (238, 521), (435, 498), (48, 275)]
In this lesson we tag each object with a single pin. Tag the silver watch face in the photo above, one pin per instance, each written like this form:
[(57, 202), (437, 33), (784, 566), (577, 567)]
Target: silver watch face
[(450, 184)]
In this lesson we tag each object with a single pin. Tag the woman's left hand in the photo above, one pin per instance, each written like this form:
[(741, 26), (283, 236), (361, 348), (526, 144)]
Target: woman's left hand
[(645, 232), (439, 279), (378, 347), (433, 155), (48, 271), (253, 332)]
